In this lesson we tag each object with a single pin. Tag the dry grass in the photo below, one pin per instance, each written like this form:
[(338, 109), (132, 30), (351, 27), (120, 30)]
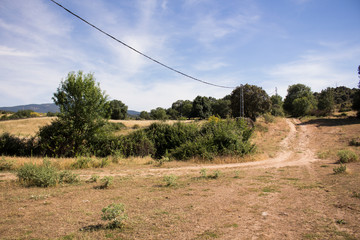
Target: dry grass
[(299, 202), (24, 127), (268, 136)]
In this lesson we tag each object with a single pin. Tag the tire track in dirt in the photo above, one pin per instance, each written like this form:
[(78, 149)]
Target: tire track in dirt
[(295, 152)]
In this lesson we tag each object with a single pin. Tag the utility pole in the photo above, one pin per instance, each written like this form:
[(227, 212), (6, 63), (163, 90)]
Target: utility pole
[(241, 101), (276, 91)]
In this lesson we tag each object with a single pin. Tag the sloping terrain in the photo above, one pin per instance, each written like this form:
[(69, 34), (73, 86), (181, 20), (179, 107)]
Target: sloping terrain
[(291, 195)]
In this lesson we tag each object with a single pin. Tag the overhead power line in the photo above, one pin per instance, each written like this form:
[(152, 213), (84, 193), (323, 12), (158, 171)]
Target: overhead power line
[(137, 51)]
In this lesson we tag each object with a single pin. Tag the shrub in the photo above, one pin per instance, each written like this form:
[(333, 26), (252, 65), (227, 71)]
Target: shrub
[(203, 172), (268, 118), (67, 176), (217, 139), (346, 156), (107, 181), (166, 137), (114, 213), (44, 175), (6, 165), (93, 178), (137, 144), (215, 175), (340, 169), (82, 162), (14, 146), (170, 180), (355, 142)]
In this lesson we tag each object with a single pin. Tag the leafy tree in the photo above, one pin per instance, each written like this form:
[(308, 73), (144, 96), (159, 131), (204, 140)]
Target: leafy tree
[(172, 113), (144, 115), (326, 103), (222, 108), (306, 100), (256, 101), (183, 107), (83, 108), (343, 98), (201, 107), (277, 105), (158, 114), (117, 110)]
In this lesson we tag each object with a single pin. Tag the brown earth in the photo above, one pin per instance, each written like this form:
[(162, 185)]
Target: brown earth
[(292, 195)]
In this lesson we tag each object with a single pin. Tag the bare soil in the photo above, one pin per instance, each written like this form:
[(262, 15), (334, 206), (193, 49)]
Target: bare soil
[(290, 193)]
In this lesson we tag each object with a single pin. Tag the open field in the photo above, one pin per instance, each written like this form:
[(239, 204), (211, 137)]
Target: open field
[(288, 191)]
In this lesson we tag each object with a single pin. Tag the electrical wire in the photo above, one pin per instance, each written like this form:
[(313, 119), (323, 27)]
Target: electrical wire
[(137, 51)]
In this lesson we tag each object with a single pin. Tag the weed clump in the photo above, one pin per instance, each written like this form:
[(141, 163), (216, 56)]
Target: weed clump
[(347, 156), (6, 165), (170, 180), (115, 213), (67, 176), (107, 181), (340, 169), (44, 175)]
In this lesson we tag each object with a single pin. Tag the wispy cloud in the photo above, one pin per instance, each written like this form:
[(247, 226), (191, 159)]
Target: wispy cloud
[(318, 69)]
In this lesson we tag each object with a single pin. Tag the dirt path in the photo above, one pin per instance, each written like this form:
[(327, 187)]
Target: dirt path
[(295, 152)]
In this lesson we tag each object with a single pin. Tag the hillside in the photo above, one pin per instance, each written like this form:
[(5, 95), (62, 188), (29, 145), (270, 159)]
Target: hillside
[(45, 108)]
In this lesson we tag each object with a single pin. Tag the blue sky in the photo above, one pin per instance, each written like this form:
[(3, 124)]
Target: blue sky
[(265, 43)]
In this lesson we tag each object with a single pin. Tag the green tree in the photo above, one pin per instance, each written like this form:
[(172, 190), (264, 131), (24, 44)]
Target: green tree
[(83, 108), (144, 115), (326, 103), (277, 105), (256, 101), (299, 91), (117, 110), (183, 107), (201, 107), (222, 108), (158, 114)]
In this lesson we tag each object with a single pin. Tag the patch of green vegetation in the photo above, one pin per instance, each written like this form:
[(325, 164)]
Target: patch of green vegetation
[(115, 213), (270, 189), (208, 235), (44, 175), (340, 169), (170, 180), (347, 156), (324, 154)]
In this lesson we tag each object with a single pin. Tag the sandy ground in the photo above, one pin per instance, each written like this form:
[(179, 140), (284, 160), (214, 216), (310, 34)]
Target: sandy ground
[(293, 195)]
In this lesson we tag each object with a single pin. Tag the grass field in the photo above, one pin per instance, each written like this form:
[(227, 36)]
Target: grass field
[(260, 200)]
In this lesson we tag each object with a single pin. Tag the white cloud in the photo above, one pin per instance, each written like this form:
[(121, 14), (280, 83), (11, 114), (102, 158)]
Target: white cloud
[(316, 69)]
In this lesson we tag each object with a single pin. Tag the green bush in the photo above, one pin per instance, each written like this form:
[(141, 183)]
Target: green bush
[(166, 137), (107, 181), (340, 169), (67, 176), (137, 144), (82, 162), (93, 178), (355, 142), (114, 213), (44, 175), (346, 156), (170, 180), (217, 139), (6, 165), (11, 145)]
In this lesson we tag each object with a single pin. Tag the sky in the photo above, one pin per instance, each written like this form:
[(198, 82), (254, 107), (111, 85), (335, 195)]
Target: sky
[(271, 44)]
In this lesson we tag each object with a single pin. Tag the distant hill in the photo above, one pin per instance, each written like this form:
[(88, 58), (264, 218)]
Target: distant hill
[(40, 108), (45, 108)]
